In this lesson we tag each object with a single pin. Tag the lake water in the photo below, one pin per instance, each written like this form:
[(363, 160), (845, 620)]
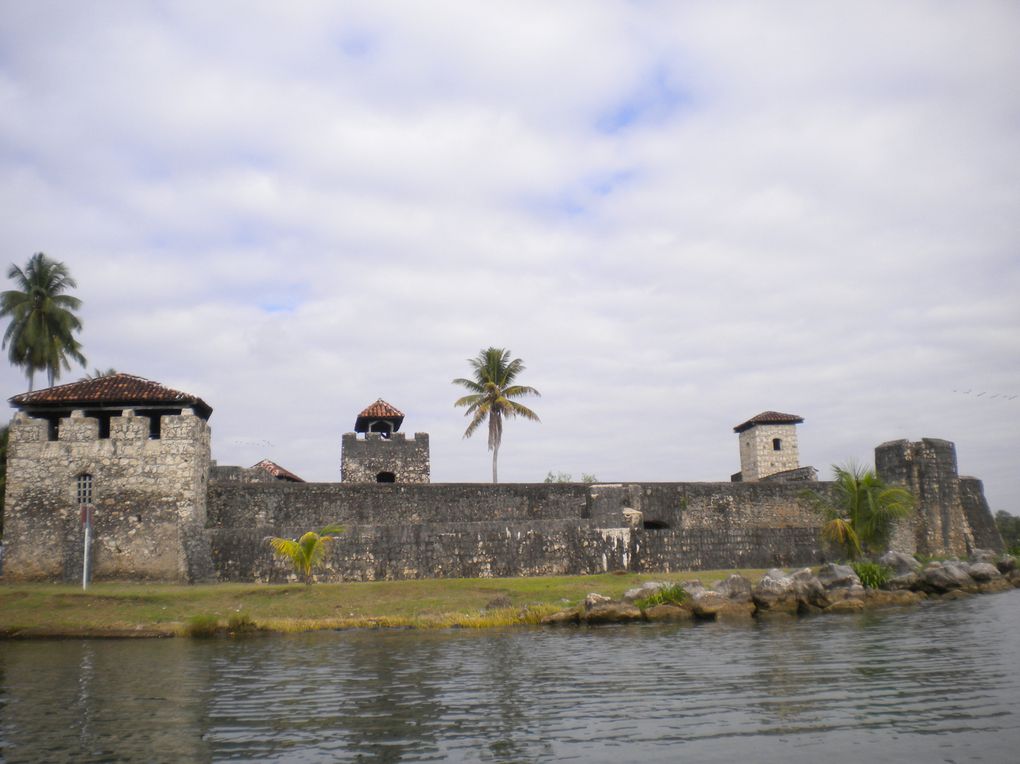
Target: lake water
[(937, 683)]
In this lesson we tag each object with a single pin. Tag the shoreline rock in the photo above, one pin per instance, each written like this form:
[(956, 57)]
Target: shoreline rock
[(833, 589)]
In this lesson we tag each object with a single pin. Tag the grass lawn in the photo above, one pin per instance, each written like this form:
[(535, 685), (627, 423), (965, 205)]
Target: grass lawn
[(128, 609)]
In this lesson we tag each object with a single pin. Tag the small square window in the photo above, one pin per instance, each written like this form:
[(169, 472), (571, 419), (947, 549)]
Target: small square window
[(777, 444), (85, 489)]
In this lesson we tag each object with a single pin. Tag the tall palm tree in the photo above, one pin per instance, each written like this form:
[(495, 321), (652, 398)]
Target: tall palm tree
[(493, 395), (43, 323), (861, 510)]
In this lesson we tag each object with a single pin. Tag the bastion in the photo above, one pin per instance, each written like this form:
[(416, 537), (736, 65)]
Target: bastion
[(134, 456)]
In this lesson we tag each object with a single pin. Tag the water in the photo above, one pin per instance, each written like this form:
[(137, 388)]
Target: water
[(934, 684)]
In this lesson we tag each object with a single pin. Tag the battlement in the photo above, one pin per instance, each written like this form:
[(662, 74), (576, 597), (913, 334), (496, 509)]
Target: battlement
[(377, 437), (122, 426)]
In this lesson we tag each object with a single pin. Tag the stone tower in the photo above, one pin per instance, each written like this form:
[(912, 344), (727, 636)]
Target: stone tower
[(768, 446), (376, 453), (952, 516), (133, 453)]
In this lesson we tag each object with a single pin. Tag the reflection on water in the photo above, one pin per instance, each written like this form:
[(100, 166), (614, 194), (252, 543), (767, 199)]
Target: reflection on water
[(938, 683)]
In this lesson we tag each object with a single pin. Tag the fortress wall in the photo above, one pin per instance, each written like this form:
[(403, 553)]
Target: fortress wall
[(728, 505), (464, 530), (492, 549), (979, 515), (149, 499), (313, 505)]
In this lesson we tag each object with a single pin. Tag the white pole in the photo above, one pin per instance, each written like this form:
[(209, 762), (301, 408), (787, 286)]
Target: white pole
[(88, 538)]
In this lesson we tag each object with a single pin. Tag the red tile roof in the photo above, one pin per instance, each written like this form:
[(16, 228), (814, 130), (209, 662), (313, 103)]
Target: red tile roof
[(123, 389), (380, 409), (277, 471), (769, 417)]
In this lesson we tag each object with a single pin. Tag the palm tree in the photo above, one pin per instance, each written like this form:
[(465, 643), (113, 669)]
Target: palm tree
[(306, 552), (43, 323), (493, 395), (861, 510)]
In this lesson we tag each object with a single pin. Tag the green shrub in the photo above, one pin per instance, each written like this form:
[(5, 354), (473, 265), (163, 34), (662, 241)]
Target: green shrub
[(202, 626), (673, 594), (239, 622), (872, 574)]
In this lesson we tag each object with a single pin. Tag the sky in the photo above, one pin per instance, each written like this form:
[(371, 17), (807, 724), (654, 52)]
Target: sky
[(677, 214)]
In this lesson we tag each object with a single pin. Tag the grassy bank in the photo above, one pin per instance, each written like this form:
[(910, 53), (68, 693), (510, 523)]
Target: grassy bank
[(123, 609)]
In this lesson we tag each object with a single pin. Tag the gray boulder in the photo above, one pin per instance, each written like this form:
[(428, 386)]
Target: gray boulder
[(983, 571), (904, 582), (668, 612), (775, 593), (693, 586), (940, 578), (900, 563), (837, 576), (595, 600), (612, 612), (646, 589), (711, 605), (983, 555), (810, 591), (735, 588)]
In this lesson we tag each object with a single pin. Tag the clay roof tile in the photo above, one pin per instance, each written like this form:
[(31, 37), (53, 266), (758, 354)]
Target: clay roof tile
[(277, 471), (120, 388), (769, 417)]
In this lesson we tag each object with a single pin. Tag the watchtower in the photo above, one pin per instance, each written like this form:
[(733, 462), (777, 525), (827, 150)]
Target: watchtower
[(376, 453), (768, 445), (129, 452)]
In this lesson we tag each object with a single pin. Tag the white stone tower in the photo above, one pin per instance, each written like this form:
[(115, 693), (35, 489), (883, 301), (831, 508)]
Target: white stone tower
[(768, 445)]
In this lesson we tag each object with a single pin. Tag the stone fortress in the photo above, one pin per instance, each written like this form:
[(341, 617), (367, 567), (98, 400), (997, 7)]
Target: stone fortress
[(135, 456)]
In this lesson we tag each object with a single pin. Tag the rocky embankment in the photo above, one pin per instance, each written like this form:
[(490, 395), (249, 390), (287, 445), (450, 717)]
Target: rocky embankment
[(833, 589)]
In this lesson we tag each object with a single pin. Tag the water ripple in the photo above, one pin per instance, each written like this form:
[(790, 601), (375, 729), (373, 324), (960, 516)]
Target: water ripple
[(933, 684)]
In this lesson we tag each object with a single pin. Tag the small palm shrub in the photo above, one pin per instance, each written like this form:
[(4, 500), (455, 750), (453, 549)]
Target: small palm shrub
[(872, 574), (673, 594)]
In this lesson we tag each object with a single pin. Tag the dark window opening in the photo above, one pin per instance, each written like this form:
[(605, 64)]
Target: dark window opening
[(84, 488), (777, 444), (386, 477), (156, 421), (53, 427), (655, 525), (384, 428)]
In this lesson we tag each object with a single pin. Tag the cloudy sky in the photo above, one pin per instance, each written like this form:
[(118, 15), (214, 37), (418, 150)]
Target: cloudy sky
[(677, 214)]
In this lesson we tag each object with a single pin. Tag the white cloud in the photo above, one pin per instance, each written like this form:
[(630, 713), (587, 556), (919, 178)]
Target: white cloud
[(677, 214)]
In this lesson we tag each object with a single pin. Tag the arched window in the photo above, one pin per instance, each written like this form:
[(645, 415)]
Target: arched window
[(777, 444), (386, 477), (84, 488)]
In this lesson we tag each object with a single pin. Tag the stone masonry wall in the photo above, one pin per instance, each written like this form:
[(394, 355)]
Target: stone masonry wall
[(149, 499), (492, 549), (927, 468), (413, 531), (758, 458), (362, 459), (979, 515)]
